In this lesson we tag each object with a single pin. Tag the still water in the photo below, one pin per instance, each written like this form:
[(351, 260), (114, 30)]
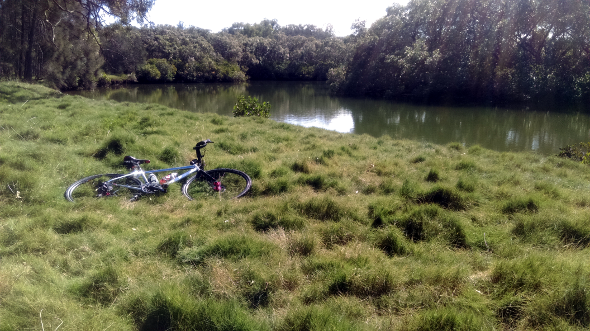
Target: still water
[(310, 104)]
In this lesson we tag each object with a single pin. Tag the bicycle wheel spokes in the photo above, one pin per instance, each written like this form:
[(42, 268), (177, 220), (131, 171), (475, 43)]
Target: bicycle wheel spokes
[(226, 184), (95, 187)]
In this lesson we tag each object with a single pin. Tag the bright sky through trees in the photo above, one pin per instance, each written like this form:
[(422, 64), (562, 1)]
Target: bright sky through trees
[(217, 15)]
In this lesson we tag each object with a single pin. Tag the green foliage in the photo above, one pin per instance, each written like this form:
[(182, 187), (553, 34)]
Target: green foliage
[(249, 106), (156, 70), (445, 51), (579, 152), (263, 50), (58, 42), (148, 73)]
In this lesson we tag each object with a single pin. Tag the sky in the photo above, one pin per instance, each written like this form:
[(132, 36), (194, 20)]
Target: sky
[(216, 15)]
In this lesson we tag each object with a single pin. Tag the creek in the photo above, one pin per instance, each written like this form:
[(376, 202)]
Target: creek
[(310, 104)]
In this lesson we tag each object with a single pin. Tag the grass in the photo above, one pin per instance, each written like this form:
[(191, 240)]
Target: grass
[(339, 231)]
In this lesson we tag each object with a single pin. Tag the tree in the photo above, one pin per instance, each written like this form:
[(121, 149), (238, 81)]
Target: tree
[(36, 35), (491, 51)]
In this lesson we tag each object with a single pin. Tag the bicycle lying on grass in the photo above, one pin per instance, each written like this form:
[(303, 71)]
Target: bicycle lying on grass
[(221, 183)]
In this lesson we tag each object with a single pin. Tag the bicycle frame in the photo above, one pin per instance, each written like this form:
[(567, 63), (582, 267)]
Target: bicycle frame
[(140, 174)]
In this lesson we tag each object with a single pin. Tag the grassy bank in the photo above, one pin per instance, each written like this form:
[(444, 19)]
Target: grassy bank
[(339, 232)]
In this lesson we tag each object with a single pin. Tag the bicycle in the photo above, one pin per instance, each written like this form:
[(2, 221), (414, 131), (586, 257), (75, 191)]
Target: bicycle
[(222, 183)]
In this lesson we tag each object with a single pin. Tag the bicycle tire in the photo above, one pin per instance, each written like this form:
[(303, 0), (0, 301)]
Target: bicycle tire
[(93, 189), (233, 184)]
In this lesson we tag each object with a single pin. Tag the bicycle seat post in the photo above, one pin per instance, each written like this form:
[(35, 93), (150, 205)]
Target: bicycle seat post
[(201, 144)]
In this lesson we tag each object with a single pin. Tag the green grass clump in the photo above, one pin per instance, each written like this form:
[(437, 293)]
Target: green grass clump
[(432, 176), (233, 247), (392, 243), (520, 205), (444, 197), (263, 221), (104, 286), (339, 231), (170, 309), (324, 209)]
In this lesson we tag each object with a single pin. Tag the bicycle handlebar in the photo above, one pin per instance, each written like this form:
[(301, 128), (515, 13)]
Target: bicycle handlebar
[(202, 144)]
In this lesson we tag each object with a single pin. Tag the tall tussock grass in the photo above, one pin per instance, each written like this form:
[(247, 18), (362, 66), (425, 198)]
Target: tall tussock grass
[(339, 231)]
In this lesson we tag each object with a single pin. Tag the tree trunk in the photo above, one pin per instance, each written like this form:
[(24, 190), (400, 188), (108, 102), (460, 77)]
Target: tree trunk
[(21, 58), (28, 74)]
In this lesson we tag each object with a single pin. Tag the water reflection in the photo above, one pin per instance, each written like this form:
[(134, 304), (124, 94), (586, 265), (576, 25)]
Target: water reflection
[(310, 104), (342, 121)]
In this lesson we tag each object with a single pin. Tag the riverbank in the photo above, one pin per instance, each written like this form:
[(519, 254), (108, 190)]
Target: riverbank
[(340, 231)]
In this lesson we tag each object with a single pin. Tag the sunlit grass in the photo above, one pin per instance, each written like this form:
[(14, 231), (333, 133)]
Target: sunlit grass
[(339, 231)]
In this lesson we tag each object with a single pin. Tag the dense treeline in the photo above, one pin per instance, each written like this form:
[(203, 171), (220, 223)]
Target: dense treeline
[(493, 51), (257, 51), (500, 51)]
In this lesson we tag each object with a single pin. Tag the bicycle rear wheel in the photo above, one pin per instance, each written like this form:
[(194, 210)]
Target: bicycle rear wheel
[(226, 184), (93, 187)]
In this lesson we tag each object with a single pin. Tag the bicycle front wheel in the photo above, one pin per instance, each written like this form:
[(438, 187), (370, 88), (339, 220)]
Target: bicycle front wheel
[(224, 184), (95, 187)]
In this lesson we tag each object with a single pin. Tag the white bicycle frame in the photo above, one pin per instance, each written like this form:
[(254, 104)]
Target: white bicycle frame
[(140, 174)]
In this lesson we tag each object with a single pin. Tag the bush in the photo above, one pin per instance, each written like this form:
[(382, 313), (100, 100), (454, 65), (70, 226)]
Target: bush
[(579, 152), (249, 106), (156, 70), (148, 73)]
